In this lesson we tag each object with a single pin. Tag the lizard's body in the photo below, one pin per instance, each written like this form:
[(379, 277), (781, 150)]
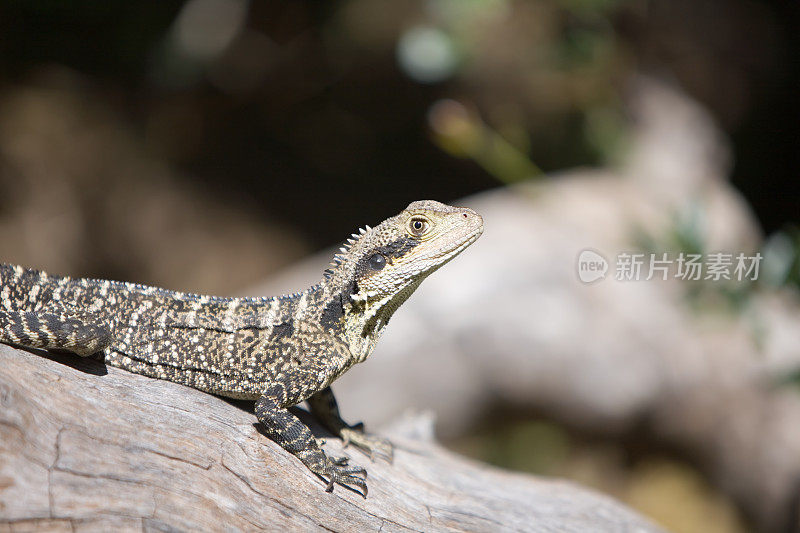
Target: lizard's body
[(279, 351), (225, 346)]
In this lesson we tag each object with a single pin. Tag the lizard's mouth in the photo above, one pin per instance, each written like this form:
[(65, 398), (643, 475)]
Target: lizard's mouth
[(448, 255), (475, 230)]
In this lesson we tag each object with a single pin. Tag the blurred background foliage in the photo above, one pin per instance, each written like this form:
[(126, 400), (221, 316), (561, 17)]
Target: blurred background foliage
[(270, 100), (204, 144)]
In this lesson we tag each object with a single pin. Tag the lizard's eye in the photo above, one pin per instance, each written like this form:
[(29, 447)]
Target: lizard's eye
[(418, 226), (377, 262)]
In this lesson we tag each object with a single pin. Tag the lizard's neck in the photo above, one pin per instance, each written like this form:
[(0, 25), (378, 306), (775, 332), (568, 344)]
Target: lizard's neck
[(359, 322)]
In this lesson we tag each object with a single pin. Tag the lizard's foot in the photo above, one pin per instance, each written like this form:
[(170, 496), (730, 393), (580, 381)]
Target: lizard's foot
[(335, 470), (373, 445)]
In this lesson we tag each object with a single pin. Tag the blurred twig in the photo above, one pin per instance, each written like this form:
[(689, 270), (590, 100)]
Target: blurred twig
[(461, 133)]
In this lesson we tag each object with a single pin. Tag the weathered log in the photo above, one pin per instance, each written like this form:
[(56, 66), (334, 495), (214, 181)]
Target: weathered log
[(89, 447)]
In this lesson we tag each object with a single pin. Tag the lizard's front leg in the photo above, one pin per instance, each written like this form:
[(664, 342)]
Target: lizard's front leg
[(324, 407), (293, 436)]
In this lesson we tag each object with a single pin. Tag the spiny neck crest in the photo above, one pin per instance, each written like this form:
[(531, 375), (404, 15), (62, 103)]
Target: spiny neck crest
[(341, 256)]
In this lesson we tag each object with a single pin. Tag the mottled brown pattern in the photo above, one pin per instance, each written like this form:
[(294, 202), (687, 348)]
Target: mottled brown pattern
[(279, 351)]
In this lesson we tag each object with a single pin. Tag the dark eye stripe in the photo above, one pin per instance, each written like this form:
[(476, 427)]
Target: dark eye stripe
[(398, 248), (388, 252)]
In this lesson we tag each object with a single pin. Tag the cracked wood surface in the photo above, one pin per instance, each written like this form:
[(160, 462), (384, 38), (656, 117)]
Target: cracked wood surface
[(89, 447)]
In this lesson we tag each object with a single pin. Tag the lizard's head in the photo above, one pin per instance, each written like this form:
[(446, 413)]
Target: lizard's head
[(383, 265)]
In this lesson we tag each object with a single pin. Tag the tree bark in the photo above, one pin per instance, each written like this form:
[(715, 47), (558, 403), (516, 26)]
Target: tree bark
[(89, 447)]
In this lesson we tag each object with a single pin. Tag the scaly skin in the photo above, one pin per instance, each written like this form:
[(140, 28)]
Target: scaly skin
[(278, 351)]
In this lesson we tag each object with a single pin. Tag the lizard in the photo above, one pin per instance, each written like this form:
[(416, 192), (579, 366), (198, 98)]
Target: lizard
[(278, 351)]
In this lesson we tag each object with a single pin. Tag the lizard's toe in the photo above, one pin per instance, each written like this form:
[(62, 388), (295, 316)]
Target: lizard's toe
[(339, 461), (371, 444), (348, 476), (336, 470)]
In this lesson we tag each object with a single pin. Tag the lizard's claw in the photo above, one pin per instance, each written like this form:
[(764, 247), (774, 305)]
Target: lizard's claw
[(335, 469), (371, 444), (339, 461)]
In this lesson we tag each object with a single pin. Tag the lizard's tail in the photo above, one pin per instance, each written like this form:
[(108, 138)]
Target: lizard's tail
[(26, 320), (52, 332), (24, 288)]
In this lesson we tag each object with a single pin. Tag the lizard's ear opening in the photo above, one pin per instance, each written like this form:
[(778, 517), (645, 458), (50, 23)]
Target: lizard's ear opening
[(377, 261)]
